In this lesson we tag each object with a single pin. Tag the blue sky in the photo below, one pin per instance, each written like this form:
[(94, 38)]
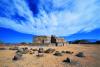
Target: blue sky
[(11, 36), (49, 17)]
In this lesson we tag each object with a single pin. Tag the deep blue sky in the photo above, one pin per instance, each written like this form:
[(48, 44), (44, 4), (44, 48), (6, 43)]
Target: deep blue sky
[(10, 36), (72, 19)]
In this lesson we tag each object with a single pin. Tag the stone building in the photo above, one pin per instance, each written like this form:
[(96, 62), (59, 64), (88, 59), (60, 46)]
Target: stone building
[(42, 39), (49, 40)]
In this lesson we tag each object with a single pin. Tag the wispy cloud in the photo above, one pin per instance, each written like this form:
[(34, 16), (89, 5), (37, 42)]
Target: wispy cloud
[(47, 17)]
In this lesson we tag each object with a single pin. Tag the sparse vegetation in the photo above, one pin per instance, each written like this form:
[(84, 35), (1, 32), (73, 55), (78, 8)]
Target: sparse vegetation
[(81, 42), (84, 41), (97, 42)]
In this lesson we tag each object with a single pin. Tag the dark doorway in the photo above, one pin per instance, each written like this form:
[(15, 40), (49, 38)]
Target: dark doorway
[(53, 39)]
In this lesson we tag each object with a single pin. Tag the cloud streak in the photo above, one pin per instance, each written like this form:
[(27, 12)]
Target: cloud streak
[(50, 17)]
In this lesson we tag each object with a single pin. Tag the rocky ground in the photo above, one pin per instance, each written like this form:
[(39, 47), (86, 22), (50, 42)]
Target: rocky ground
[(91, 57)]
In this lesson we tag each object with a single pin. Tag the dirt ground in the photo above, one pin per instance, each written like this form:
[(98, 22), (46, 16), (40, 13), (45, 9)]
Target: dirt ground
[(91, 59)]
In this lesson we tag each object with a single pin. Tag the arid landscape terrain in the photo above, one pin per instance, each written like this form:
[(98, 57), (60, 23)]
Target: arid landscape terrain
[(91, 59)]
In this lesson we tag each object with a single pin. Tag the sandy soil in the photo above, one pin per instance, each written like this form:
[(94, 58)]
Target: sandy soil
[(92, 59)]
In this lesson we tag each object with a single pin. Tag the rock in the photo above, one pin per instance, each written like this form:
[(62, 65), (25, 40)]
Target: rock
[(20, 54), (31, 52), (80, 54), (40, 52), (25, 50), (50, 50), (68, 60), (13, 48), (17, 56), (35, 49), (57, 53), (63, 51), (22, 50), (69, 52), (2, 48)]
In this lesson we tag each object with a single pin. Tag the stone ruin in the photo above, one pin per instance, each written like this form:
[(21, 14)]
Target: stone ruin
[(49, 41)]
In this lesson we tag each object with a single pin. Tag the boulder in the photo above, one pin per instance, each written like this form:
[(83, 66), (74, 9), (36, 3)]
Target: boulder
[(63, 51), (69, 52), (80, 54), (57, 53), (25, 50), (17, 57), (67, 60), (50, 50), (40, 52), (31, 52), (35, 49), (22, 50)]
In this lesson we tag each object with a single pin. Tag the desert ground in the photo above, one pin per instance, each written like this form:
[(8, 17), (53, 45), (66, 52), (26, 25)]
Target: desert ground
[(91, 59)]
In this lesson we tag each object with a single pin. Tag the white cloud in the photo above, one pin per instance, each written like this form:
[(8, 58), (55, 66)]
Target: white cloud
[(66, 17)]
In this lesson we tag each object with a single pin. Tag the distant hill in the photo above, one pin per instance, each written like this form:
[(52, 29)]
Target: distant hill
[(85, 41), (91, 36)]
